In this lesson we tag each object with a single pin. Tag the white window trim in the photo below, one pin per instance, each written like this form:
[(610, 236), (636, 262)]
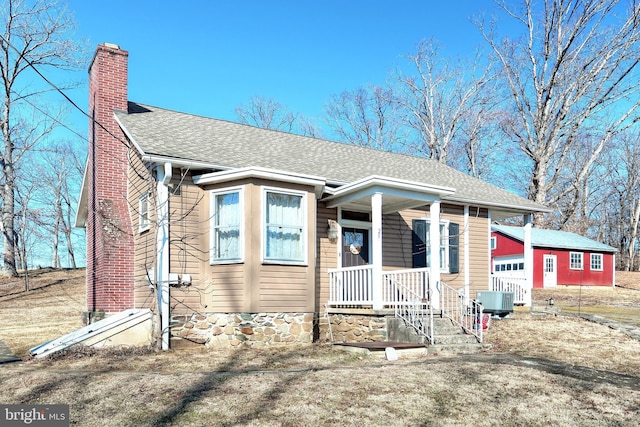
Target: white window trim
[(581, 260), (212, 219), (591, 257), (494, 242), (263, 224), (444, 236), (143, 225)]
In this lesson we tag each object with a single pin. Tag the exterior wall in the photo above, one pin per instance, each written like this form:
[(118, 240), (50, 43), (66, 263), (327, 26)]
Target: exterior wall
[(401, 237), (249, 286), (508, 246), (353, 328), (110, 259), (140, 182), (567, 276), (327, 254), (232, 330)]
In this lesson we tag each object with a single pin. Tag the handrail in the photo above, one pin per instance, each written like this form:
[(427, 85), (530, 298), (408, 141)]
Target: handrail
[(415, 310), (469, 317)]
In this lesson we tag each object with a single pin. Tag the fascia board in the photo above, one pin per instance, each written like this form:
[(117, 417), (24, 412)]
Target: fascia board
[(281, 176)]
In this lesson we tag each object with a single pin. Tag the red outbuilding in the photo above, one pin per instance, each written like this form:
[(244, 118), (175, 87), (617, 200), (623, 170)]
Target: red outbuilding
[(559, 257)]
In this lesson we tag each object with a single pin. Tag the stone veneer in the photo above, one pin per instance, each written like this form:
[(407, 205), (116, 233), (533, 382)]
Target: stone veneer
[(353, 328), (224, 330)]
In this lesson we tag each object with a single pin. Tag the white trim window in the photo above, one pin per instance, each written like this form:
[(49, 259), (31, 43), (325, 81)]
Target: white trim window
[(227, 214), (596, 262), (143, 213), (284, 219), (575, 260), (449, 245), (494, 242)]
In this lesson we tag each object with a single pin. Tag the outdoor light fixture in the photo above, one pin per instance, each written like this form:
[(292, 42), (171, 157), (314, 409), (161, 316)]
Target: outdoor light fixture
[(333, 231), (550, 301)]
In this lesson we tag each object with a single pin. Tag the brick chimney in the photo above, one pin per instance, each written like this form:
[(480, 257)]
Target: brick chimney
[(108, 227)]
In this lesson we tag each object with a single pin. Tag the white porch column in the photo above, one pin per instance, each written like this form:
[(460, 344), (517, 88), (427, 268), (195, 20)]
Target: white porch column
[(434, 243), (376, 250), (528, 257)]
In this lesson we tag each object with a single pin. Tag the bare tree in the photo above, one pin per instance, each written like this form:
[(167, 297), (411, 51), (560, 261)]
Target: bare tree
[(368, 117), (61, 173), (35, 36), (266, 113), (571, 72), (445, 103), (624, 179)]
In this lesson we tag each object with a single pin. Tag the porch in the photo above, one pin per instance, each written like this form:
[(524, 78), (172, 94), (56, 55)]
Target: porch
[(407, 294)]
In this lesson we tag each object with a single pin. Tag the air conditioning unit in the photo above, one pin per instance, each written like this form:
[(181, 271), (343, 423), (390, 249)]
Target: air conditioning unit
[(496, 303)]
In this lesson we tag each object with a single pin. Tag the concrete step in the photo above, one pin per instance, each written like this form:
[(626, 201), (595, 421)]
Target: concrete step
[(454, 339), (439, 349)]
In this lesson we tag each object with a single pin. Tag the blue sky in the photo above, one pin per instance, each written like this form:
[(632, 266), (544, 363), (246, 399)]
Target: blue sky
[(207, 57)]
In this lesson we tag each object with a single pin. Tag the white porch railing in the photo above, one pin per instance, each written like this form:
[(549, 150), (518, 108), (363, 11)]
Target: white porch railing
[(517, 285), (353, 286), (468, 317)]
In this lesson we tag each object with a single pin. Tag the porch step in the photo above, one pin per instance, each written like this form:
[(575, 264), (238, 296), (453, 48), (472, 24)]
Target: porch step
[(448, 338)]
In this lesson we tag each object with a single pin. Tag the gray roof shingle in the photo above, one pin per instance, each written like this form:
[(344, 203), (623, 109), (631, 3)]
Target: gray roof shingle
[(167, 133)]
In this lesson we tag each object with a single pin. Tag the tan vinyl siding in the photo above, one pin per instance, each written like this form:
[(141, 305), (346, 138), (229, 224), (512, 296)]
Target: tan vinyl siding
[(327, 254), (140, 181), (188, 207), (479, 250), (253, 285), (224, 290), (398, 242), (284, 288)]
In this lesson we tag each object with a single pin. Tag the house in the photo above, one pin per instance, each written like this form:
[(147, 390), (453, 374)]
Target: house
[(559, 257), (256, 236)]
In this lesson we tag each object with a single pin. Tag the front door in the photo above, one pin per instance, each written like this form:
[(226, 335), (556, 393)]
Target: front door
[(550, 278), (355, 246)]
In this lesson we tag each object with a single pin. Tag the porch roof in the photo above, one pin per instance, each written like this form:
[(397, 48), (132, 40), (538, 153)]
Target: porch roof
[(397, 194)]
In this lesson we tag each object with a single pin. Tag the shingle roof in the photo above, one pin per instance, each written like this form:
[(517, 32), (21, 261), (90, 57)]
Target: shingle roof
[(554, 239), (162, 132)]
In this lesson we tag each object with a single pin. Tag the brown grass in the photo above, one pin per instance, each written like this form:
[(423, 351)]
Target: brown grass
[(543, 370)]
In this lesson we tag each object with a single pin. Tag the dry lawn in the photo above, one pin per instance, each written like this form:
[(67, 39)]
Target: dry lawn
[(542, 370)]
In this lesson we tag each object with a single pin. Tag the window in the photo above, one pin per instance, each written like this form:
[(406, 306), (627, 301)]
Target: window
[(285, 227), (596, 262), (494, 243), (575, 260), (449, 245), (226, 226), (143, 212)]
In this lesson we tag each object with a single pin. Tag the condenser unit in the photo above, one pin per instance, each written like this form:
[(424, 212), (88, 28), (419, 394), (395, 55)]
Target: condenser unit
[(495, 302)]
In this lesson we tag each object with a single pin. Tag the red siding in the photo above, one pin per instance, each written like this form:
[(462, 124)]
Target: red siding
[(507, 246), (567, 276)]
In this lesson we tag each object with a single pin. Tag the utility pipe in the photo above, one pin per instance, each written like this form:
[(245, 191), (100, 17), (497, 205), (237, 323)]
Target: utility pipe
[(164, 173)]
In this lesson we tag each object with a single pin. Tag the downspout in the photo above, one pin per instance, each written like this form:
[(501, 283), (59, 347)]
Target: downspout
[(164, 172)]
